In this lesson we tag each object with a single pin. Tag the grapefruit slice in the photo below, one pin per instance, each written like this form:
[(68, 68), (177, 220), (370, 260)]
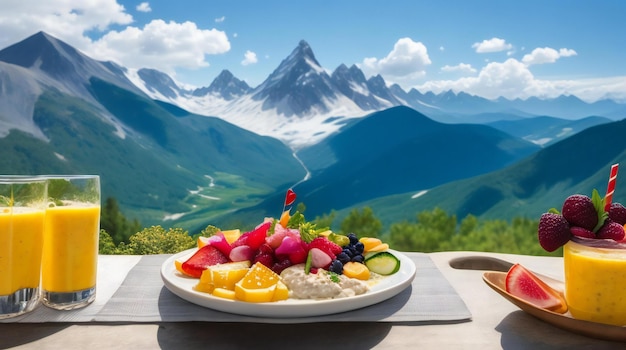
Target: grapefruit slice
[(525, 285)]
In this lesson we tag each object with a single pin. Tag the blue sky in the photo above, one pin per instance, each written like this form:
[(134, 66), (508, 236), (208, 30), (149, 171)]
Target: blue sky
[(487, 48)]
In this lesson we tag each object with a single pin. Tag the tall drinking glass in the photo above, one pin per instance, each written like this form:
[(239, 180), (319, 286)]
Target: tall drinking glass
[(22, 210), (70, 249)]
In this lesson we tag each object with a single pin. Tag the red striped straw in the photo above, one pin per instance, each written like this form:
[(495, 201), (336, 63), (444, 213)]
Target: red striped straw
[(610, 188)]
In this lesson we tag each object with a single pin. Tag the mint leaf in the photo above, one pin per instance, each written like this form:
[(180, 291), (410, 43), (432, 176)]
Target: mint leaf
[(598, 203), (333, 276)]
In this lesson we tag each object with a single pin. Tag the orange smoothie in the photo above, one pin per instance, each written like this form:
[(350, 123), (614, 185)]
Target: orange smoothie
[(70, 253), (595, 281), (21, 233)]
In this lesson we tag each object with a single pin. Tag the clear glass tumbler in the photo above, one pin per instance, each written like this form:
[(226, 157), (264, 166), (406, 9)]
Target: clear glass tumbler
[(70, 249), (23, 201)]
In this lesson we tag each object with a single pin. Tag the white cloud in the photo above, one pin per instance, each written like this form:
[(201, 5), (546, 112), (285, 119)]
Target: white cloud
[(161, 45), (249, 58), (144, 7), (407, 59), (66, 20), (220, 19), (509, 79), (461, 67), (492, 45), (543, 55), (513, 79)]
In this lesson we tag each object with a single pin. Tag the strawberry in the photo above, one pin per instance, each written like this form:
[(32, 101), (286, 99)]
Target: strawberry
[(298, 256), (617, 213), (579, 210), (553, 231), (202, 259), (611, 230), (328, 247), (582, 232), (523, 284), (254, 238)]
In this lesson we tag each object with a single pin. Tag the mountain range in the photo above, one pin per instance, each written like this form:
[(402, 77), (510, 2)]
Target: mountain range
[(301, 102), (225, 154)]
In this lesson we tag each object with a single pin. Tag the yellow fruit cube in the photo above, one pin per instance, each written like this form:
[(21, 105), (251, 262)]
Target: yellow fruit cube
[(231, 235), (224, 293), (260, 285)]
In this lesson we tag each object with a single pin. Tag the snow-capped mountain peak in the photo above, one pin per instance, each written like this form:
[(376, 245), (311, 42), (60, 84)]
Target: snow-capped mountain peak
[(225, 85)]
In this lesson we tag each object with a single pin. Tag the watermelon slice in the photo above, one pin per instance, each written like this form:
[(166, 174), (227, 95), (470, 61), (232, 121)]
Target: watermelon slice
[(202, 259), (525, 285)]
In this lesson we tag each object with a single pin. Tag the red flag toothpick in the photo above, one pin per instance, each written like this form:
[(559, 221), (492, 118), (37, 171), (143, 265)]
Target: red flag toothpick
[(610, 189), (290, 198)]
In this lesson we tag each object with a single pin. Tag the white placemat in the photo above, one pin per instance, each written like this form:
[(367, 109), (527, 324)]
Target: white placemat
[(112, 271)]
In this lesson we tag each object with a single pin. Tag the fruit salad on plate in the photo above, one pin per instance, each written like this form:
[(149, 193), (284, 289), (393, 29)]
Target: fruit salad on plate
[(287, 258)]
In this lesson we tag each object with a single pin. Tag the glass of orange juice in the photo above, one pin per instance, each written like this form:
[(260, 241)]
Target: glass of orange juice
[(595, 280), (22, 210), (70, 244)]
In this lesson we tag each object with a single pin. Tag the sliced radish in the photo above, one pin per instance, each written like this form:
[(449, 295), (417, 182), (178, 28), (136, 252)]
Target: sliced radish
[(241, 253), (319, 258)]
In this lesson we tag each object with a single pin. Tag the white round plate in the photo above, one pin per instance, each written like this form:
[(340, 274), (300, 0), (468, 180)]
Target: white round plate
[(388, 287)]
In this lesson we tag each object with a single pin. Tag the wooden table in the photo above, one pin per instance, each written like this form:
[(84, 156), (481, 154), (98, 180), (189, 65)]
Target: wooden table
[(495, 324)]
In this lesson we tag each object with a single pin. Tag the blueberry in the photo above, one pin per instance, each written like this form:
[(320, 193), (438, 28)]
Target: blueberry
[(353, 251), (353, 238), (358, 258), (336, 266), (343, 257), (348, 252), (359, 247)]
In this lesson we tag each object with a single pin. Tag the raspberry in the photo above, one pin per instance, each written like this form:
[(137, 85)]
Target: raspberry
[(617, 213), (578, 210), (611, 230), (279, 266), (553, 231), (266, 249), (328, 247), (264, 258), (582, 232)]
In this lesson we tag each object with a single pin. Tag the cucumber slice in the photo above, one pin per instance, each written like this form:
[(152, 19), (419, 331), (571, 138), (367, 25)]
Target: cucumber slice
[(382, 263)]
